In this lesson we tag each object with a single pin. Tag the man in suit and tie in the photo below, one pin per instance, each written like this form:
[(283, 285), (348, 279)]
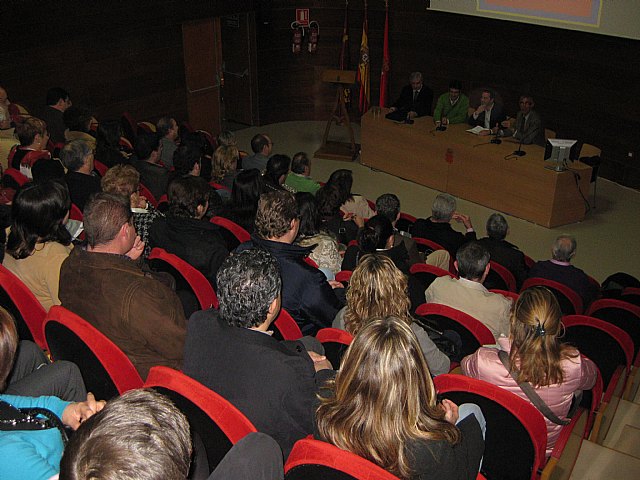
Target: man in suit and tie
[(488, 115), (414, 101), (528, 127)]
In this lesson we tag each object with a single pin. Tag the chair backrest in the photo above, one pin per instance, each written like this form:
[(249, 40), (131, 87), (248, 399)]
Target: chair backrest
[(335, 343), (605, 344), (105, 369), (232, 233), (146, 193), (500, 277), (570, 302), (219, 186), (218, 424), (311, 262), (621, 314), (315, 460), (18, 300), (17, 176), (473, 333), (405, 222), (147, 127), (516, 437), (421, 275), (528, 261), (163, 203), (344, 276), (427, 246), (129, 127), (512, 295), (631, 295), (285, 327), (100, 167), (198, 283), (75, 213)]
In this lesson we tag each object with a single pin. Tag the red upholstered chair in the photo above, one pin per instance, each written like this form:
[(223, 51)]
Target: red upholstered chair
[(285, 327), (100, 167), (500, 277), (427, 246), (335, 343), (232, 233), (195, 279), (565, 451), (631, 295), (146, 127), (18, 179), (106, 370), (570, 302), (163, 202), (621, 314), (125, 145), (219, 186), (512, 295), (473, 333), (75, 213), (146, 193), (216, 424), (421, 276), (212, 141), (405, 222), (344, 276), (516, 436), (309, 261), (129, 127), (528, 261), (18, 300), (315, 460)]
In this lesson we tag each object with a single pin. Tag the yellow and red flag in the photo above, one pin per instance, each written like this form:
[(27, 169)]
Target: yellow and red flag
[(364, 80), (386, 60)]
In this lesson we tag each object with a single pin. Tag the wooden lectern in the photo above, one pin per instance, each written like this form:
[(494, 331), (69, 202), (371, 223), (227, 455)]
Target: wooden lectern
[(333, 150)]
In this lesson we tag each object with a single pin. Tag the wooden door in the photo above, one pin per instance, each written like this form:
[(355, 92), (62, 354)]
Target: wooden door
[(240, 64), (203, 66)]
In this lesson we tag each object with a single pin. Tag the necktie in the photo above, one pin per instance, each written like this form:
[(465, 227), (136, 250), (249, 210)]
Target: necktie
[(415, 96)]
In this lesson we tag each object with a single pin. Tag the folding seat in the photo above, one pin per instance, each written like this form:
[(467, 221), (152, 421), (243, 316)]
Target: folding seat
[(421, 276), (146, 193), (107, 372), (232, 233), (512, 295), (285, 327), (570, 302), (335, 343), (500, 277)]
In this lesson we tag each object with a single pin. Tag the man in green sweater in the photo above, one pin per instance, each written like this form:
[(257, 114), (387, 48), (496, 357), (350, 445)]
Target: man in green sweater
[(452, 106), (299, 179)]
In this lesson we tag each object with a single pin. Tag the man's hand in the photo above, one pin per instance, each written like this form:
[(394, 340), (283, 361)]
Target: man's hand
[(392, 109), (136, 250), (445, 121), (484, 133), (480, 109), (320, 362), (411, 115), (461, 217), (358, 220), (451, 414), (78, 412), (335, 284)]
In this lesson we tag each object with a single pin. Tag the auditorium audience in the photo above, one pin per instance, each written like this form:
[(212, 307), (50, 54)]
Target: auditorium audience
[(108, 149), (187, 161), (377, 289), (344, 228), (273, 383), (388, 205), (325, 250), (147, 161), (300, 177), (452, 106), (39, 242), (382, 406), (559, 269), (276, 173), (32, 447), (78, 122), (142, 435), (377, 237), (185, 233), (350, 203), (467, 293), (535, 353), (104, 285), (262, 147), (306, 293), (125, 180), (437, 227), (246, 191), (167, 130), (501, 251), (77, 157), (58, 102)]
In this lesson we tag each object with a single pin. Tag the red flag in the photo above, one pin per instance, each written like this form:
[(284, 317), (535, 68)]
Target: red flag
[(364, 81), (386, 60)]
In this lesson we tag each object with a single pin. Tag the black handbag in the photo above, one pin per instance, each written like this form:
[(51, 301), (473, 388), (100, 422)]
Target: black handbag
[(16, 419)]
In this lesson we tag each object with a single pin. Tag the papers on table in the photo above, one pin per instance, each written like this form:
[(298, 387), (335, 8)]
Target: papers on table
[(476, 130)]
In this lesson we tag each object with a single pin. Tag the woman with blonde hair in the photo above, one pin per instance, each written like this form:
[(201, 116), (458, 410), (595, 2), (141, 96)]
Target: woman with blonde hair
[(537, 356), (378, 289), (382, 406), (225, 165)]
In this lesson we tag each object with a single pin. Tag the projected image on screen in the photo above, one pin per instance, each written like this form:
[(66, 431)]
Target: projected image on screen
[(585, 12)]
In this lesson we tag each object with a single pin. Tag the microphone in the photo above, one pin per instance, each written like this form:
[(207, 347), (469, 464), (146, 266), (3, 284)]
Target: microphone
[(442, 127), (496, 140), (519, 152)]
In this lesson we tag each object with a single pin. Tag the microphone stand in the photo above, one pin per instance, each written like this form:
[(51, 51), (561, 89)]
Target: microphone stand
[(496, 140), (519, 152)]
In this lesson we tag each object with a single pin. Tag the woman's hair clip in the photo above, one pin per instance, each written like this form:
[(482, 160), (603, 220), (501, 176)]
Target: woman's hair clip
[(540, 331)]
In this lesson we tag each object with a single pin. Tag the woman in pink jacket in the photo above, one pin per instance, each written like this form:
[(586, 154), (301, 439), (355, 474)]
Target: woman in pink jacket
[(554, 370)]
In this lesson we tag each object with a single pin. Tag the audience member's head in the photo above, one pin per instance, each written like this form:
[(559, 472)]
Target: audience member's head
[(148, 147), (277, 216), (76, 155), (277, 169), (58, 98), (33, 133), (342, 179), (564, 248), (108, 221), (249, 286), (497, 227), (247, 188), (121, 180), (301, 164), (187, 160), (377, 289), (39, 212), (443, 208), (140, 435), (167, 127), (329, 201), (388, 205), (472, 261), (377, 234), (310, 220), (225, 160), (77, 119), (226, 138), (108, 134), (188, 197), (261, 143), (8, 345), (383, 398)]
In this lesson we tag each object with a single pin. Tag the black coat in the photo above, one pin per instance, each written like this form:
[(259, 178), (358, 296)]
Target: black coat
[(81, 187), (441, 233), (507, 255), (422, 105)]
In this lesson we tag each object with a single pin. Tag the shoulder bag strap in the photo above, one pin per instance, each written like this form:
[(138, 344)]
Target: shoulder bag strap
[(530, 392)]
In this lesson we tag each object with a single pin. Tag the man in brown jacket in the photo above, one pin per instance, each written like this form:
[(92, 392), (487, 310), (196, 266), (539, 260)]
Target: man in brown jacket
[(103, 285)]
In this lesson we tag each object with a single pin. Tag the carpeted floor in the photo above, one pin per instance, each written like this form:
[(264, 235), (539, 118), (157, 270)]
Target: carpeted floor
[(605, 238)]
